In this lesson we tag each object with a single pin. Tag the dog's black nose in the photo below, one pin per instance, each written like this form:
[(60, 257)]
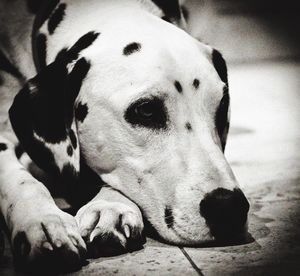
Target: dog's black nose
[(225, 213)]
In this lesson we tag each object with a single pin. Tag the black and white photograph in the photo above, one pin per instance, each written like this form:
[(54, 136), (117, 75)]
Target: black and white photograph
[(149, 137)]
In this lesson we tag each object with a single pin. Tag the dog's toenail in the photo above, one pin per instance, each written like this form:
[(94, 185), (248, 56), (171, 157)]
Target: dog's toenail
[(58, 243), (126, 231), (48, 246)]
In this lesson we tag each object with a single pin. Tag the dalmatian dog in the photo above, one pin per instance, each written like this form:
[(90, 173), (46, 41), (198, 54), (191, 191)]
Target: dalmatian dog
[(118, 90)]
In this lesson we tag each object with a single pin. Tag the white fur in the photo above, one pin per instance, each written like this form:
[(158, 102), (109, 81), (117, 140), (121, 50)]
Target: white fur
[(177, 168)]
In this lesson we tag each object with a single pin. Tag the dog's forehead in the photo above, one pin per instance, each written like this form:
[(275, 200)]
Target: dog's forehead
[(137, 57), (141, 62), (129, 61)]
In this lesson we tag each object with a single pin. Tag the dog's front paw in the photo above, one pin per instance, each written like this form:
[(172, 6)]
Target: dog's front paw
[(110, 228), (51, 240)]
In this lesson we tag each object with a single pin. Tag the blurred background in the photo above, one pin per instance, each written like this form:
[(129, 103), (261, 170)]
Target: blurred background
[(248, 30), (260, 39)]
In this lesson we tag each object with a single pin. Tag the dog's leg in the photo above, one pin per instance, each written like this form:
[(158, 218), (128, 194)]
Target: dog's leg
[(111, 222), (40, 232)]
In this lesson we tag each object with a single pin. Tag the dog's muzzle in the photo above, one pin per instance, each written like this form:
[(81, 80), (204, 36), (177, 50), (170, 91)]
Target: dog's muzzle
[(225, 213)]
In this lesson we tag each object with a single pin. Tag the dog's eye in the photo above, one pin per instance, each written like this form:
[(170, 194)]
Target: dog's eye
[(145, 109), (149, 113)]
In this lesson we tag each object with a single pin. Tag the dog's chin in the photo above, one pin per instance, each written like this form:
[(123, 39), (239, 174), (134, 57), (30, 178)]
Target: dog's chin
[(202, 237), (178, 236), (205, 240), (188, 241)]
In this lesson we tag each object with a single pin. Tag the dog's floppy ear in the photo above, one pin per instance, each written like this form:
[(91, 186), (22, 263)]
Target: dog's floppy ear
[(42, 116), (223, 112), (220, 65)]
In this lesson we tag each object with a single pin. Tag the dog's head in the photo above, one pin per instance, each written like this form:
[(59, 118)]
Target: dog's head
[(148, 111)]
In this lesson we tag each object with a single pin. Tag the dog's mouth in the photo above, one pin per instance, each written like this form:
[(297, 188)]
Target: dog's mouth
[(210, 239), (226, 230)]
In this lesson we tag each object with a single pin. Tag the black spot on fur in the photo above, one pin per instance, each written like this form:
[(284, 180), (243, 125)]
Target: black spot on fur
[(40, 103), (188, 126), (73, 138), (75, 80), (169, 218), (221, 118), (41, 41), (81, 112), (3, 147), (6, 66), (45, 106), (196, 83), (70, 150), (171, 9), (19, 150), (82, 43), (42, 156), (63, 56), (178, 86), (131, 48), (44, 8), (220, 65), (24, 131), (52, 99), (35, 148), (68, 55), (56, 18)]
